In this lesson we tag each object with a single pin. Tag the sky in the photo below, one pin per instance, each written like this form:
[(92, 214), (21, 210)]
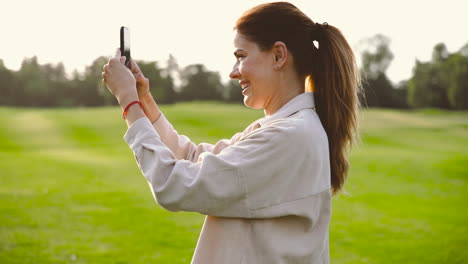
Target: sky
[(77, 32)]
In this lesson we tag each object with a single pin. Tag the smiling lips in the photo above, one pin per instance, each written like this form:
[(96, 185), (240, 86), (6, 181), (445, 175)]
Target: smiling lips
[(244, 85)]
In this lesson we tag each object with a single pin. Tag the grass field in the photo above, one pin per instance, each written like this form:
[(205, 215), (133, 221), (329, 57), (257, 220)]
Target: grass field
[(71, 192)]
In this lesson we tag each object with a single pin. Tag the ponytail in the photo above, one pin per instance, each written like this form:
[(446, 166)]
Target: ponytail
[(330, 71), (335, 79)]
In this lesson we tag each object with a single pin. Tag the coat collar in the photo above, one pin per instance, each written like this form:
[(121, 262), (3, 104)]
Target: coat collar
[(302, 101)]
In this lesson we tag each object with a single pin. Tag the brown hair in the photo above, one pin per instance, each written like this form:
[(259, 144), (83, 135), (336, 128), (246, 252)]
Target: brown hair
[(330, 71)]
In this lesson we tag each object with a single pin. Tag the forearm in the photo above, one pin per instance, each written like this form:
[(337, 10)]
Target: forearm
[(151, 108), (183, 185)]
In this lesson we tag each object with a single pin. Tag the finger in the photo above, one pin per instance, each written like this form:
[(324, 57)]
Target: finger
[(113, 61), (122, 59), (106, 68), (117, 53), (139, 77), (134, 67)]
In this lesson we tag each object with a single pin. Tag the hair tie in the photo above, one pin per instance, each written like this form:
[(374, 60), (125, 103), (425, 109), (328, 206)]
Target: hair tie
[(317, 33), (322, 26)]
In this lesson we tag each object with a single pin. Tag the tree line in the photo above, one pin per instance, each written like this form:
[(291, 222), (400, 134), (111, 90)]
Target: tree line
[(441, 82), (47, 85)]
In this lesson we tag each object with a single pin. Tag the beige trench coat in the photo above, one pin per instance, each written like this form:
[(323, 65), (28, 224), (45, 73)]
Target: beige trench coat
[(266, 191)]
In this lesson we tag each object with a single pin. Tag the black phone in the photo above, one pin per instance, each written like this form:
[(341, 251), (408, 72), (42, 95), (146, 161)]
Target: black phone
[(125, 44)]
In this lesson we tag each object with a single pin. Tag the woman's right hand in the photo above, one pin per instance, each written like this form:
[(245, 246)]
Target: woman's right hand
[(144, 94), (142, 83)]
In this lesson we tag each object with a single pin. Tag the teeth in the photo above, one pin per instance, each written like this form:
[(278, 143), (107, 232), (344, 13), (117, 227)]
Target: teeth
[(244, 86)]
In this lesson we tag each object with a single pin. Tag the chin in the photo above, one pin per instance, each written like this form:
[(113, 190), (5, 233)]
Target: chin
[(249, 102)]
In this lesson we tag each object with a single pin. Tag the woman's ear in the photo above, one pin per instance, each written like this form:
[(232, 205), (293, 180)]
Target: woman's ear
[(280, 55)]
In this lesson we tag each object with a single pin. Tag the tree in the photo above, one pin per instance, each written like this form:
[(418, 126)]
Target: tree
[(162, 87), (418, 91), (234, 92), (376, 58), (33, 87), (429, 85), (441, 78), (458, 81), (57, 84), (89, 90), (173, 72), (200, 84), (8, 83), (401, 95), (379, 92)]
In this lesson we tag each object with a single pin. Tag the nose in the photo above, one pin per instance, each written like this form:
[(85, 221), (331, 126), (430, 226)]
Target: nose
[(235, 74)]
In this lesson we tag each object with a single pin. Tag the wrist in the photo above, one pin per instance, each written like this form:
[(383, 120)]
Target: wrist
[(126, 99), (146, 98)]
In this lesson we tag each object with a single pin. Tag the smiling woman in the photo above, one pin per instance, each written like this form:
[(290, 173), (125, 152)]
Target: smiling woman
[(267, 191)]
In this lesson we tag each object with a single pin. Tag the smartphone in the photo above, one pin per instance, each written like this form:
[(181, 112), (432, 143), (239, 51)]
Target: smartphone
[(125, 44)]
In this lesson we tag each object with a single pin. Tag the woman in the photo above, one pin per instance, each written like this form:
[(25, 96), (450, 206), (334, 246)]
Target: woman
[(266, 191)]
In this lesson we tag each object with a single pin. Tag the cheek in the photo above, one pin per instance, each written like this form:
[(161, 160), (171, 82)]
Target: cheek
[(251, 71), (256, 72), (249, 68), (244, 70)]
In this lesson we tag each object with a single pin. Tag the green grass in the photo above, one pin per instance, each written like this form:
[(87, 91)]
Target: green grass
[(71, 192)]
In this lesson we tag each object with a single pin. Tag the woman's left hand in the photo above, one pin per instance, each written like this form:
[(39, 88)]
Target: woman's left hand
[(119, 79)]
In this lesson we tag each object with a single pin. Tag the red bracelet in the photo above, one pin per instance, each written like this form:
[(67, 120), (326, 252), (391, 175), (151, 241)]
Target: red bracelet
[(125, 111)]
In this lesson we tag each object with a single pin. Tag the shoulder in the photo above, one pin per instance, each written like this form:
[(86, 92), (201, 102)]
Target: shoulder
[(300, 134), (302, 126)]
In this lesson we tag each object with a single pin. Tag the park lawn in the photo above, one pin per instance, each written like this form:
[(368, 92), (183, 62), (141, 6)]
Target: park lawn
[(71, 192)]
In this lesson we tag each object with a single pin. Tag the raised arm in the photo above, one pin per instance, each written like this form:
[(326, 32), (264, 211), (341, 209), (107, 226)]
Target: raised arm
[(144, 95), (181, 145)]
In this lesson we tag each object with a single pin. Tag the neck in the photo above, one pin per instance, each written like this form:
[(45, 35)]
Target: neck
[(286, 89)]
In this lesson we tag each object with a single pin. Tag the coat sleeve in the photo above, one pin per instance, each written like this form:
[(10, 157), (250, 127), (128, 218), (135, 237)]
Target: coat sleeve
[(182, 147), (241, 178)]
